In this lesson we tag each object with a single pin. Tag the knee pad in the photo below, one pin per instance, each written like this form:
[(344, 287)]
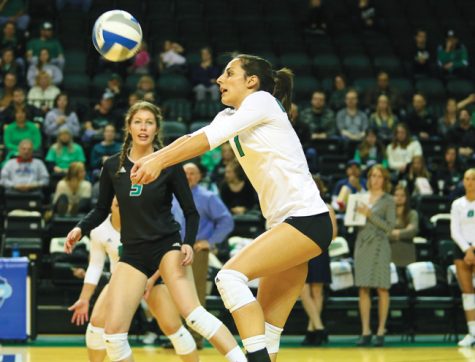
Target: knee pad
[(203, 322), (468, 301), (95, 337), (117, 346), (273, 338), (182, 341), (232, 285)]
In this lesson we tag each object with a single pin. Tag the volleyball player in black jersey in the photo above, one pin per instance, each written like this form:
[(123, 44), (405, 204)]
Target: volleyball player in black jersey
[(150, 239)]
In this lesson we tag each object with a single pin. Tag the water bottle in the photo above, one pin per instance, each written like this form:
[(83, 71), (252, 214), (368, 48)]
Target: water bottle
[(15, 251)]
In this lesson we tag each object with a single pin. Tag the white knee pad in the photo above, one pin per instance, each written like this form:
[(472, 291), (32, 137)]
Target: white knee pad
[(117, 346), (232, 285), (203, 322), (182, 341), (468, 301), (273, 338), (95, 337)]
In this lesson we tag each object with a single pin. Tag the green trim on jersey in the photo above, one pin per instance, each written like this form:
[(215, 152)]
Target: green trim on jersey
[(238, 146)]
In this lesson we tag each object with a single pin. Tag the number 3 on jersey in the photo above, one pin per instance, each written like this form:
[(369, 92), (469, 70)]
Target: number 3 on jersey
[(136, 190)]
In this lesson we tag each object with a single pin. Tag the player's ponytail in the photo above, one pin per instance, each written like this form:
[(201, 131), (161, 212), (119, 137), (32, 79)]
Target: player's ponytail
[(284, 79), (124, 151)]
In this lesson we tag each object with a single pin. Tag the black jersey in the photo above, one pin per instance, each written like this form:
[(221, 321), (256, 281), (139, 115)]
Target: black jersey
[(145, 210)]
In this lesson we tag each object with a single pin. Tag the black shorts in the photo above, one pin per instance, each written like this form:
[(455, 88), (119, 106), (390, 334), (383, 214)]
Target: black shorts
[(146, 256), (317, 227), (458, 253)]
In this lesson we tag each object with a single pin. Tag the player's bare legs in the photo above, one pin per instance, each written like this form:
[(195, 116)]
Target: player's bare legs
[(278, 293), (121, 304), (180, 283), (164, 310), (284, 248)]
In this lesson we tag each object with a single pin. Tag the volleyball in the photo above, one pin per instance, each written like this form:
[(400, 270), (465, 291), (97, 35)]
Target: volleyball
[(117, 35)]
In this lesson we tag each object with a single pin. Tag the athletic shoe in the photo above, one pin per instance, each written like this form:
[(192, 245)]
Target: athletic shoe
[(467, 341)]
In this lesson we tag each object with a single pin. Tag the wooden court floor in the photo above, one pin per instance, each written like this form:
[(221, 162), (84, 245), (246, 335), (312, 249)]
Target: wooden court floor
[(327, 354)]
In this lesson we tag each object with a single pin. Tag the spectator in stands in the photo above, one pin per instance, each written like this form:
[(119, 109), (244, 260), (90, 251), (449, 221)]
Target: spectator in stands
[(420, 121), (462, 230), (402, 150), (236, 191), (43, 94), (141, 61), (337, 99), (145, 85), (115, 87), (103, 150), (316, 18), (20, 130), (383, 119), (351, 122), (6, 93), (215, 225), (352, 184), (463, 135), (366, 15), (203, 77), (171, 58), (403, 250), (134, 98), (73, 192), (61, 116), (449, 119), (102, 115), (383, 87), (227, 156), (373, 253), (418, 178), (43, 64), (64, 152), (421, 60), (24, 173), (319, 119), (19, 101), (8, 64), (14, 11), (452, 57), (12, 39), (449, 173), (371, 150), (45, 40), (467, 103)]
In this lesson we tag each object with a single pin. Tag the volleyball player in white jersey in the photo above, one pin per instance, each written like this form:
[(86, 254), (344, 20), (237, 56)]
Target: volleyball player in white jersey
[(299, 225), (462, 229), (105, 242)]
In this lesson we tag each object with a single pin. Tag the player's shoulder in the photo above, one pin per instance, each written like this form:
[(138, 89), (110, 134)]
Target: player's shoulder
[(460, 202), (112, 161), (258, 98)]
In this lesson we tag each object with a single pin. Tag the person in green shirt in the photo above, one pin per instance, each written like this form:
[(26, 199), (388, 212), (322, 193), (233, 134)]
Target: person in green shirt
[(20, 130), (64, 152), (46, 40), (452, 57), (15, 11)]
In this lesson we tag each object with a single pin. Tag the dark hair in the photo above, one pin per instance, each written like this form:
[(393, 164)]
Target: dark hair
[(278, 83), (141, 105), (408, 139), (238, 171), (67, 111), (407, 205)]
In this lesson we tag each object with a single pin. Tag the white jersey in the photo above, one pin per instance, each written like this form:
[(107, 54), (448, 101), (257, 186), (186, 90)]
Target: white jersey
[(105, 241), (462, 223), (270, 153)]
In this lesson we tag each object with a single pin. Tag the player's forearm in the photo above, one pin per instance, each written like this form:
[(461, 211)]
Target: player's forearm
[(87, 291), (184, 148)]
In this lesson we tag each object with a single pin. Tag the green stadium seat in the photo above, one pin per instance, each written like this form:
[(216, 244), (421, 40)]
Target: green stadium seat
[(304, 86), (177, 110), (172, 130), (76, 84), (300, 63), (326, 65), (432, 88), (173, 86), (459, 88), (75, 61)]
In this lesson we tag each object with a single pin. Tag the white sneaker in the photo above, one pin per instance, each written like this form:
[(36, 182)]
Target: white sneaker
[(467, 341)]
